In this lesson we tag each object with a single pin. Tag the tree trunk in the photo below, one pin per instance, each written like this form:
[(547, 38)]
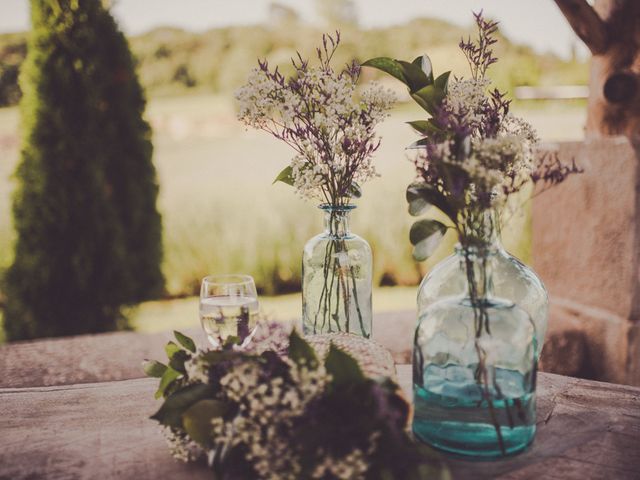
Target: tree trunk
[(611, 30)]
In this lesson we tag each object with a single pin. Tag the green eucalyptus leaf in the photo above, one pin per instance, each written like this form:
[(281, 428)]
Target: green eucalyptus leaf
[(425, 127), (418, 144), (342, 367), (416, 78), (442, 82), (171, 348), (355, 190), (388, 65), (167, 379), (232, 340), (418, 204), (185, 341), (177, 361), (425, 236), (429, 195), (424, 229), (197, 419), (424, 62), (213, 357), (429, 97), (153, 368), (301, 352), (419, 126), (285, 176), (170, 413)]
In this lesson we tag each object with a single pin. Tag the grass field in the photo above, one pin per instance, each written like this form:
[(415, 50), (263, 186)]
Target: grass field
[(222, 214)]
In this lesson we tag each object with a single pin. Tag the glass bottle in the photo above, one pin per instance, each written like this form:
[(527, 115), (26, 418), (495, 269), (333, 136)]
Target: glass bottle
[(512, 280), (474, 366), (336, 278)]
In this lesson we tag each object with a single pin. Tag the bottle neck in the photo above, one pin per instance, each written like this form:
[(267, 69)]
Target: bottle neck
[(477, 264), (482, 233), (477, 252), (336, 220)]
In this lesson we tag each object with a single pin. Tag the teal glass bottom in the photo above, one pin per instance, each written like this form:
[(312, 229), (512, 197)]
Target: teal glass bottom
[(452, 416)]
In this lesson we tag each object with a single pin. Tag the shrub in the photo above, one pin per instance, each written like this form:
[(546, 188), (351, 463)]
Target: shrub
[(88, 231)]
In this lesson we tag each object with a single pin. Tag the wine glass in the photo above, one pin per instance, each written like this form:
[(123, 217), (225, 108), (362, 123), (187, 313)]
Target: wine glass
[(228, 307)]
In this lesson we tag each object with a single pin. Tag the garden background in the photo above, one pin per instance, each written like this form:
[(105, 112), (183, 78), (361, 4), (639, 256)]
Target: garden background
[(221, 212)]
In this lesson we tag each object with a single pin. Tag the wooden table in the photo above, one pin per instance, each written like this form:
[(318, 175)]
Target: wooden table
[(586, 430)]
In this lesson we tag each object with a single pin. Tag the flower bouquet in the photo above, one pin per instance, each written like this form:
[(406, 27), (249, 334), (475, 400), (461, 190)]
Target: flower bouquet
[(276, 410), (330, 125), (475, 352)]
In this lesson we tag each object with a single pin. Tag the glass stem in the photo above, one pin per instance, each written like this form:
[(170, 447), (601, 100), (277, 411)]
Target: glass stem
[(339, 275), (478, 275)]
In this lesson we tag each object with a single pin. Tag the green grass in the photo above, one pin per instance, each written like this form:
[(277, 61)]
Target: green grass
[(183, 313), (221, 213)]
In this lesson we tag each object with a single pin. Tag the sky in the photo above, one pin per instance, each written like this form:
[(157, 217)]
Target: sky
[(537, 23)]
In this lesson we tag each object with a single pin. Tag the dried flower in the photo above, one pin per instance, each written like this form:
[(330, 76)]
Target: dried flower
[(316, 112), (285, 415)]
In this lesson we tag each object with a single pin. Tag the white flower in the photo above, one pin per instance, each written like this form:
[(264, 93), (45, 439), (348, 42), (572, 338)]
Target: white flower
[(316, 113), (465, 99)]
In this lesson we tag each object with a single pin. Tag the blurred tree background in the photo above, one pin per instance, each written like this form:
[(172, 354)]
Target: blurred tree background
[(172, 61), (211, 172), (88, 231)]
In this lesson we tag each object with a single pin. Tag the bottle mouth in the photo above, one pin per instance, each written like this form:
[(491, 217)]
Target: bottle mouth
[(327, 207)]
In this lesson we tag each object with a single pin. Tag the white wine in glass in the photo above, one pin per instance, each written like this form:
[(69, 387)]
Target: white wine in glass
[(228, 308)]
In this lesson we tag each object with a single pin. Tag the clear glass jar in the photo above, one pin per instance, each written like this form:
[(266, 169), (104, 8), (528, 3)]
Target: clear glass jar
[(512, 280), (474, 366), (336, 278)]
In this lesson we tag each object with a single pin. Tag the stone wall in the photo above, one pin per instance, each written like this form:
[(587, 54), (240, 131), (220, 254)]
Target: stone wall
[(586, 249)]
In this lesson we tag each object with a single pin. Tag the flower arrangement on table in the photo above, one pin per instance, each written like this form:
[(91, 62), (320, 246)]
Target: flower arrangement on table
[(274, 410), (473, 157), (330, 124)]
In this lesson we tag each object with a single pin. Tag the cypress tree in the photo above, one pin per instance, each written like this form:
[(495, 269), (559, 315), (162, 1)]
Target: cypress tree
[(88, 231)]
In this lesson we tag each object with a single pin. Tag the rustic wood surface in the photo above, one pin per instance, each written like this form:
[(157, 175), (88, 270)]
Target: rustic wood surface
[(118, 355), (586, 430), (113, 356)]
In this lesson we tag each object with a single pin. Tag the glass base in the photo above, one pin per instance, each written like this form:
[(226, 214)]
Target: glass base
[(461, 423), (473, 440)]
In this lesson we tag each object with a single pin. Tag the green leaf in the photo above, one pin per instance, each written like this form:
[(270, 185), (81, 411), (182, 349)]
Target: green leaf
[(355, 190), (212, 357), (424, 63), (420, 195), (170, 413), (424, 229), (416, 78), (342, 367), (232, 340), (177, 361), (420, 126), (387, 65), (418, 144), (197, 419), (418, 204), (171, 348), (301, 352), (424, 127), (168, 377), (152, 368), (285, 176), (185, 341), (442, 82), (425, 236), (429, 98)]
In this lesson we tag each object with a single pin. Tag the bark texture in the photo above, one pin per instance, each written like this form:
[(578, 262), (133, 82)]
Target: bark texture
[(611, 30)]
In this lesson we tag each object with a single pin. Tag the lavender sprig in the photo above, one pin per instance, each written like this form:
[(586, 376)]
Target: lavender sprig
[(479, 53)]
